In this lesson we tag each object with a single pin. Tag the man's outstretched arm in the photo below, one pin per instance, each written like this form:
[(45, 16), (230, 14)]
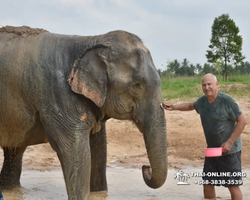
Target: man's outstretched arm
[(182, 107)]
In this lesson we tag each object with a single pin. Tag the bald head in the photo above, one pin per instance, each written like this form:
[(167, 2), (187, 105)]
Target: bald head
[(209, 75)]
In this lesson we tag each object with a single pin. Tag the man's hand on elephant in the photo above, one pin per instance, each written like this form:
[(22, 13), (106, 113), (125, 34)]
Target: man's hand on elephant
[(167, 106)]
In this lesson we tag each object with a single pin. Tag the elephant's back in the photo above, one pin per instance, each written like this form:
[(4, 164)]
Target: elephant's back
[(18, 49), (17, 44)]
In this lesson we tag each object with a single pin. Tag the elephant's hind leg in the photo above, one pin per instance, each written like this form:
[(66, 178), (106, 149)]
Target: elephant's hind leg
[(98, 147), (12, 167)]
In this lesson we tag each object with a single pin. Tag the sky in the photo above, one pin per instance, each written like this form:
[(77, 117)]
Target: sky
[(170, 29)]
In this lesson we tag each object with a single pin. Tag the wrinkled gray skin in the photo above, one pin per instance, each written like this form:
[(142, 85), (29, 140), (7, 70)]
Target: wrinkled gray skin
[(62, 89)]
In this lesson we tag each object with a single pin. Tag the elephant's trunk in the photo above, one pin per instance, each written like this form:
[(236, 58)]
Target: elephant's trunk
[(156, 145)]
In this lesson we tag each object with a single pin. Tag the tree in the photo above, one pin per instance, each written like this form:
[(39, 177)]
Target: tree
[(244, 68), (225, 43), (162, 72), (185, 69), (173, 67), (198, 68), (207, 68)]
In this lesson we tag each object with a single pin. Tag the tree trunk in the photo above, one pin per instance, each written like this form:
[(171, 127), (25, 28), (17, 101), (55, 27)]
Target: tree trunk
[(225, 69)]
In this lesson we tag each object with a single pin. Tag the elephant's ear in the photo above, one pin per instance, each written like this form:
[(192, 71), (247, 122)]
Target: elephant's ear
[(89, 78)]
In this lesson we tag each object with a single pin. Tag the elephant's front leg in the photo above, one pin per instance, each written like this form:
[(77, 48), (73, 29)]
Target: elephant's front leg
[(12, 167), (73, 151), (98, 146)]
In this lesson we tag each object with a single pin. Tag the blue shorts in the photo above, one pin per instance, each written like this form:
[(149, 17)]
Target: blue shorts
[(223, 170), (1, 195)]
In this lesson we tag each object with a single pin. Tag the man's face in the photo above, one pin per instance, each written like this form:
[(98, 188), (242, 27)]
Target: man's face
[(210, 86)]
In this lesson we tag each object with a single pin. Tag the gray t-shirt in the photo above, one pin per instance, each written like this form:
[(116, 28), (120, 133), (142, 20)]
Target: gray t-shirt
[(218, 120)]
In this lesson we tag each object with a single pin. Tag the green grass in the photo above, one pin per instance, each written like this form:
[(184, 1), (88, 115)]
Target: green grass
[(190, 87), (235, 79)]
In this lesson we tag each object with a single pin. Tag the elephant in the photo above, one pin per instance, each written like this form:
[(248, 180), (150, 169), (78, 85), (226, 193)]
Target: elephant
[(62, 89)]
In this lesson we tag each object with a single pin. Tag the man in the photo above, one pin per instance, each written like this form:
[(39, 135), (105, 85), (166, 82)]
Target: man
[(222, 122)]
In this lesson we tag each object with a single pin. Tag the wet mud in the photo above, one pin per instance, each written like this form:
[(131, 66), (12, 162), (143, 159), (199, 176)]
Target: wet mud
[(123, 184)]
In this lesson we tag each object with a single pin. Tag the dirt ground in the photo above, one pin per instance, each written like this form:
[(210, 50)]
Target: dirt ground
[(126, 147)]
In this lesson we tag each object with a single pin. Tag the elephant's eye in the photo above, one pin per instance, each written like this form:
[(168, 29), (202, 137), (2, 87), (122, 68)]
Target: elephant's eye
[(136, 88), (137, 85)]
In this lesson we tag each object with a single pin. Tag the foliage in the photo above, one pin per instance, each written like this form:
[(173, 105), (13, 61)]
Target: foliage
[(176, 69), (244, 68), (225, 44)]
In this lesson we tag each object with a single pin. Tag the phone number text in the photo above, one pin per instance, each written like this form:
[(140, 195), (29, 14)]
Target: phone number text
[(219, 182)]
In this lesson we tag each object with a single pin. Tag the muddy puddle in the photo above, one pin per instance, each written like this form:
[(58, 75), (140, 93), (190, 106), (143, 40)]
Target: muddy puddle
[(123, 183)]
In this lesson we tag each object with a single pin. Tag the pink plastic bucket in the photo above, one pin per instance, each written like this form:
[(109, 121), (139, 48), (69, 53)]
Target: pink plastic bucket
[(213, 152)]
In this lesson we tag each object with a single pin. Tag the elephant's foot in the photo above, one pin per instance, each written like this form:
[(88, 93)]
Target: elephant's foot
[(12, 167), (99, 195), (9, 183), (98, 185)]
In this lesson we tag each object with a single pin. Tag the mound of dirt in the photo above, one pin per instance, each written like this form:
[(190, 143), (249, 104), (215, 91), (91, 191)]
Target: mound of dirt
[(22, 31)]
